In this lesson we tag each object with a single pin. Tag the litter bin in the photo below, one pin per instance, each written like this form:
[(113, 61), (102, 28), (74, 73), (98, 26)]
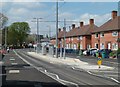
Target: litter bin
[(97, 54), (103, 55), (80, 52)]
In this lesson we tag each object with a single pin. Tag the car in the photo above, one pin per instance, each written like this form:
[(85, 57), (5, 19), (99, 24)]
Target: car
[(90, 51)]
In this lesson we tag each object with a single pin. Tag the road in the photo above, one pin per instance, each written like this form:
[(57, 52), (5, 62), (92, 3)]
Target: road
[(17, 73), (66, 74)]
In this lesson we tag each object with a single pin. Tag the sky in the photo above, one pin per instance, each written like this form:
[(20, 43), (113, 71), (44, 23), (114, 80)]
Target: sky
[(73, 12)]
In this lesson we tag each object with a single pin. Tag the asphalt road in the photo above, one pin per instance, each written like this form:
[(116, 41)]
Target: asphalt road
[(20, 74), (67, 74)]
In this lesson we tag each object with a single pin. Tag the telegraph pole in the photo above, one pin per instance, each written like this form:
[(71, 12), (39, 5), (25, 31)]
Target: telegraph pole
[(57, 29), (5, 37), (37, 39), (64, 37)]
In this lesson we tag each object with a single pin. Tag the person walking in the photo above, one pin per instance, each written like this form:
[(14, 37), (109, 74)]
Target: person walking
[(99, 60)]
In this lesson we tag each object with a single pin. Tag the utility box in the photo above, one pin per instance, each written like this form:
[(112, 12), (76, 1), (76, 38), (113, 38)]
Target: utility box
[(51, 49), (44, 51)]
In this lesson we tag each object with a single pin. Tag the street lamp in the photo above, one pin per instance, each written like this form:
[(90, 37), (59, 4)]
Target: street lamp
[(57, 29), (49, 32), (37, 39)]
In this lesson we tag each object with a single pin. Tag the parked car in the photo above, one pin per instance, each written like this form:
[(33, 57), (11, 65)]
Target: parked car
[(90, 51)]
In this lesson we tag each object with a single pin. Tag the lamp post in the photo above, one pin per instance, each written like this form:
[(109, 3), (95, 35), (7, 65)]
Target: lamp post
[(37, 39), (49, 32), (64, 37), (57, 29)]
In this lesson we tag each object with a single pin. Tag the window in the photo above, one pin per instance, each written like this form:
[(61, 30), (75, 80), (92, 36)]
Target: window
[(96, 45), (69, 39), (81, 46), (101, 45), (72, 38), (101, 34), (75, 46), (115, 33), (114, 46), (80, 37), (67, 46), (96, 35)]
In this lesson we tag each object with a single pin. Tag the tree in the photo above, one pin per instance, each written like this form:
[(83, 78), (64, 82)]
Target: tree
[(18, 32), (3, 20)]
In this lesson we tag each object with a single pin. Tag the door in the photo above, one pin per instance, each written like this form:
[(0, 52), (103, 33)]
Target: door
[(109, 46)]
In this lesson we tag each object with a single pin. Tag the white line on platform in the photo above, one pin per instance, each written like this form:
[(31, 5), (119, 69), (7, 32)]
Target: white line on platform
[(14, 71)]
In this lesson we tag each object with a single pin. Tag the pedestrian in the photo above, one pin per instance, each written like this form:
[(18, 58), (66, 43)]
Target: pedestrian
[(99, 60), (8, 49)]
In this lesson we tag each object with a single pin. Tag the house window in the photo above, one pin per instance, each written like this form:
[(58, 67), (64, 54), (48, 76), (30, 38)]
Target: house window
[(114, 46), (69, 39), (115, 33), (101, 34), (96, 35), (67, 46), (80, 37), (75, 46), (81, 46), (72, 38), (96, 45), (101, 45)]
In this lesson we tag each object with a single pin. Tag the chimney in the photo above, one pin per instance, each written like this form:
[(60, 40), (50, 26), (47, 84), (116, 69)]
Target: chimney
[(81, 24), (73, 26), (91, 21), (64, 28), (59, 29), (114, 14)]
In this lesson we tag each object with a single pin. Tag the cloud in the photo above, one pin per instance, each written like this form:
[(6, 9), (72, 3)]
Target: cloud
[(66, 15), (99, 19)]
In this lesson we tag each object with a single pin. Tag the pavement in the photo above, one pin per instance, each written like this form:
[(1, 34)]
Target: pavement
[(77, 63), (92, 68)]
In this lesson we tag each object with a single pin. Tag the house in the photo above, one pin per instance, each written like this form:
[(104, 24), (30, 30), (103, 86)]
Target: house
[(61, 33), (80, 37), (106, 36)]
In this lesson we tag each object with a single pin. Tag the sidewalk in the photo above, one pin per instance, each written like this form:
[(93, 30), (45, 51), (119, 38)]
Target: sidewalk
[(73, 62)]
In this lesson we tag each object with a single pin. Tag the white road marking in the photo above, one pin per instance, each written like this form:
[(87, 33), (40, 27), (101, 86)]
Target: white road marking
[(14, 63), (14, 71), (115, 80), (59, 80), (104, 76), (12, 59)]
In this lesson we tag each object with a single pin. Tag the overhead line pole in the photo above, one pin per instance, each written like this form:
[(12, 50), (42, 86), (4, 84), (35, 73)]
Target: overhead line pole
[(57, 29), (64, 37)]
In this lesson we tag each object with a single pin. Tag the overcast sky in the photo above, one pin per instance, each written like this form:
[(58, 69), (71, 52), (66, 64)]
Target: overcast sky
[(72, 11)]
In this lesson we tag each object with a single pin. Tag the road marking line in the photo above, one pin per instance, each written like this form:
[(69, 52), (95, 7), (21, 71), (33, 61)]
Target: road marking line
[(14, 63), (45, 71), (14, 71), (12, 59), (59, 80), (115, 80), (2, 74)]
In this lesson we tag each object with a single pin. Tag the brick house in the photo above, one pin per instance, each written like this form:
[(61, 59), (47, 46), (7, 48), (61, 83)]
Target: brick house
[(80, 37), (60, 38), (106, 36)]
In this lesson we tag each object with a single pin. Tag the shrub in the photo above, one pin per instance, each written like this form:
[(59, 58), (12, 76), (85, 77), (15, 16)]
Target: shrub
[(118, 51)]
